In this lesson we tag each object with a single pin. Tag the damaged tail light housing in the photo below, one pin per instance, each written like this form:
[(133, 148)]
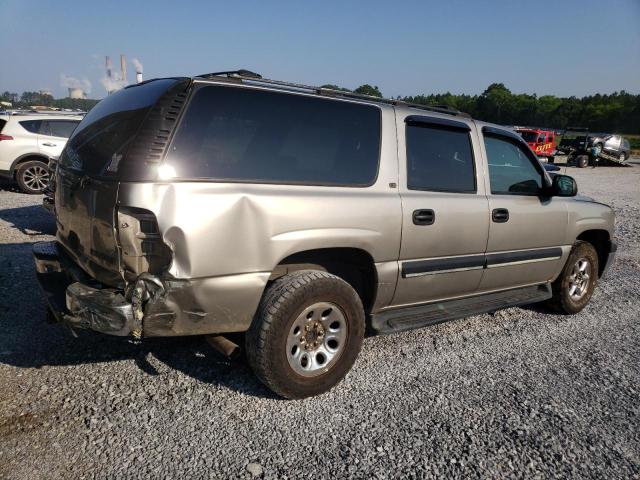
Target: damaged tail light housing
[(142, 249)]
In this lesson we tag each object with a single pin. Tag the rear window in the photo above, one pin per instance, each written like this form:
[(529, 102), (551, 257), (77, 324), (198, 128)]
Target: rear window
[(103, 135), (60, 128), (32, 126), (439, 159), (247, 135)]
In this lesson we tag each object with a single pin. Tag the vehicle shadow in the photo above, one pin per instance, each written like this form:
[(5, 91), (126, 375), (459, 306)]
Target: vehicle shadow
[(8, 185), (28, 341), (32, 220)]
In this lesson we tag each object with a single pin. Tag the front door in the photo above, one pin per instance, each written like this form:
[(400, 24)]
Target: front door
[(445, 211), (527, 232)]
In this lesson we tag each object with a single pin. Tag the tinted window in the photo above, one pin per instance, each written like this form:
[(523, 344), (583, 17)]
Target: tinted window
[(61, 128), (625, 142), (528, 136), (439, 159), (252, 135), (2, 124), (32, 126), (105, 132), (511, 170)]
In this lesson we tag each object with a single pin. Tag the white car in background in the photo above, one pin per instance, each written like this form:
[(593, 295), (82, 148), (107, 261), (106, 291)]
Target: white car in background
[(28, 141)]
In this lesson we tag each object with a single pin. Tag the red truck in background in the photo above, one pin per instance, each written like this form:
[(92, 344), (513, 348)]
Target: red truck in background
[(542, 142)]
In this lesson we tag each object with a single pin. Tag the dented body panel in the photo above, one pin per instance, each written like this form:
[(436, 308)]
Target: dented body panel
[(227, 238)]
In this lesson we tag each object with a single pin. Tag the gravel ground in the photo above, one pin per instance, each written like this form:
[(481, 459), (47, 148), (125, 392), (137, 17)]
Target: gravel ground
[(520, 393)]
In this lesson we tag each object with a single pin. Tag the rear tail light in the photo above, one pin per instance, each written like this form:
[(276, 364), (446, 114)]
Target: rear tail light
[(140, 241), (5, 137)]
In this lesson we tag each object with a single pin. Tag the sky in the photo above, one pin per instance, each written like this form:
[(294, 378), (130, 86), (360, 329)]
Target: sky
[(563, 48)]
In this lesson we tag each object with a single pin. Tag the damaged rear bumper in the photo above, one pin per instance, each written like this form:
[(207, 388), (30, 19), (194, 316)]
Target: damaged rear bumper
[(71, 298), (152, 307)]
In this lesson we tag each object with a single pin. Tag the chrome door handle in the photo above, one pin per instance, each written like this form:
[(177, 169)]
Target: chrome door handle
[(49, 144)]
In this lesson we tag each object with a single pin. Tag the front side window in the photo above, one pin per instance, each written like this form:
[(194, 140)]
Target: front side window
[(439, 159), (246, 135), (511, 170)]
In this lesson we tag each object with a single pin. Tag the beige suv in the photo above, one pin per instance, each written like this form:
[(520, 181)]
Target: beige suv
[(304, 216)]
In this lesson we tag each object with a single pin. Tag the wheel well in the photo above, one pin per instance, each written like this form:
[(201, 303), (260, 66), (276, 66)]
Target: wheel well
[(27, 158), (600, 241), (355, 266)]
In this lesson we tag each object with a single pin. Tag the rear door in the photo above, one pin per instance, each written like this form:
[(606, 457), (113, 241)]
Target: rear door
[(97, 157), (445, 220), (53, 136), (527, 231)]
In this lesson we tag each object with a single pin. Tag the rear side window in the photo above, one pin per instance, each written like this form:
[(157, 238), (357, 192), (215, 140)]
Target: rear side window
[(102, 137), (250, 135), (32, 126), (511, 170), (61, 128), (439, 159)]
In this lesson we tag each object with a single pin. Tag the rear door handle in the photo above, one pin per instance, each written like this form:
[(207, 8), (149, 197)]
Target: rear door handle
[(424, 217), (500, 215), (49, 144)]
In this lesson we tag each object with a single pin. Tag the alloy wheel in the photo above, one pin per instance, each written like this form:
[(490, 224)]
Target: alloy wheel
[(316, 339), (36, 177)]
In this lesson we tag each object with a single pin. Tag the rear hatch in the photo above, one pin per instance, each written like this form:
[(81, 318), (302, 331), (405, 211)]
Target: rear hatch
[(122, 138)]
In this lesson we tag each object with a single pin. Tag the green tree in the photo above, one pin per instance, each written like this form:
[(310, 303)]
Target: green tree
[(367, 89)]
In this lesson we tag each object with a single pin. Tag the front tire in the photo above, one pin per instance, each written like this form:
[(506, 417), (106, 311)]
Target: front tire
[(573, 289), (33, 177), (306, 334)]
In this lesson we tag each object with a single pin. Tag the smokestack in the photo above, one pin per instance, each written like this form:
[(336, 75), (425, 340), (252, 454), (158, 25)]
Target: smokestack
[(138, 65), (107, 64), (123, 67)]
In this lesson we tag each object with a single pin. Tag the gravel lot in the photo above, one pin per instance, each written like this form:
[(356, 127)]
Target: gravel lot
[(520, 393)]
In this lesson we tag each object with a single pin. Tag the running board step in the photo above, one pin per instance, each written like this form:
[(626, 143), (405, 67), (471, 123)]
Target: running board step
[(409, 318)]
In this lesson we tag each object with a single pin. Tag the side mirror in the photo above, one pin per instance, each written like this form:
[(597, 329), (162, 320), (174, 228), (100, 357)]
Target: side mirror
[(564, 186)]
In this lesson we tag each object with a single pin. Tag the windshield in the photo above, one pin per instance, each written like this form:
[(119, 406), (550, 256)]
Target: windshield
[(100, 140), (529, 136)]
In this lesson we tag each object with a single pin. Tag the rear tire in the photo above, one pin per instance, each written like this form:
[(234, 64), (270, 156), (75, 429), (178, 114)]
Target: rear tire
[(32, 176), (574, 287), (582, 161), (306, 334)]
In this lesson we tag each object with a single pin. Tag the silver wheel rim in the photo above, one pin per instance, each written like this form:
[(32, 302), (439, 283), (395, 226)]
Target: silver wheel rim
[(36, 177), (622, 157), (579, 279), (316, 339)]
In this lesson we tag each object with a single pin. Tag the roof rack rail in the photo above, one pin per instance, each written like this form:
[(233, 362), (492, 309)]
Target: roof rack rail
[(255, 78), (56, 113)]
